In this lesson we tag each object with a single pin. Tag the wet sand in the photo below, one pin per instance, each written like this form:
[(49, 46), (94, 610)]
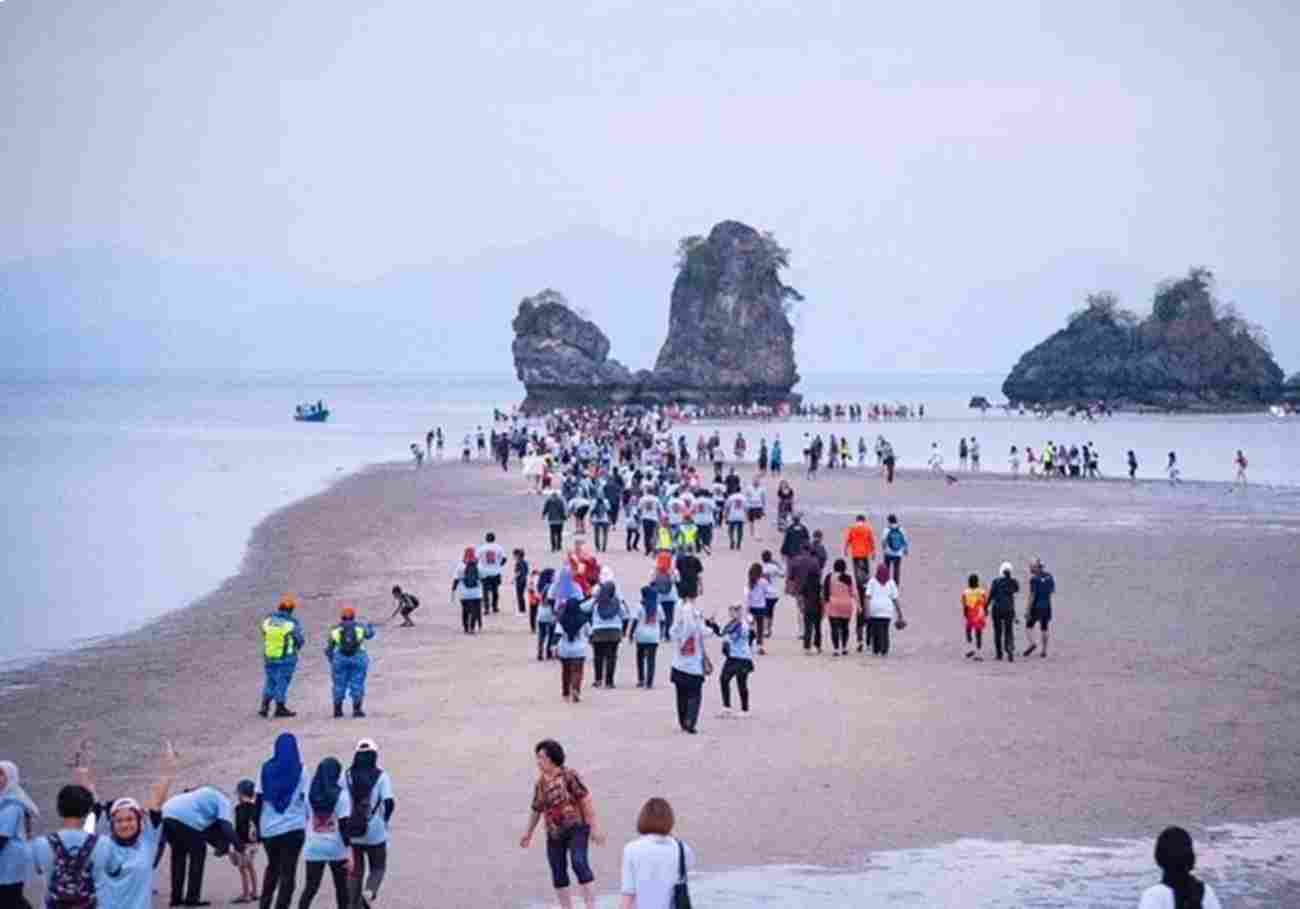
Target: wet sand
[(1172, 693)]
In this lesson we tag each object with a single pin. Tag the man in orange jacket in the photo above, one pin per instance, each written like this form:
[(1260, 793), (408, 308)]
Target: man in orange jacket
[(860, 546)]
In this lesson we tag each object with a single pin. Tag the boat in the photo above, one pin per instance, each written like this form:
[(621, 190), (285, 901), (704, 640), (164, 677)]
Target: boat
[(311, 413)]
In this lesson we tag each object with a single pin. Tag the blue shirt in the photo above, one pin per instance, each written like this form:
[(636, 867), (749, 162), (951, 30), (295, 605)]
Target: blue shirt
[(131, 885), (377, 830), (199, 809), (575, 649), (15, 859), (1041, 588), (102, 862), (273, 823)]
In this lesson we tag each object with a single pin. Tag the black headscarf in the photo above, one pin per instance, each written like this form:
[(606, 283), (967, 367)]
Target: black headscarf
[(325, 788), (1176, 858)]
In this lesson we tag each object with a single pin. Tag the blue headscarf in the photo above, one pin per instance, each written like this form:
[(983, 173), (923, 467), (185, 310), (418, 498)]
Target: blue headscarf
[(282, 773)]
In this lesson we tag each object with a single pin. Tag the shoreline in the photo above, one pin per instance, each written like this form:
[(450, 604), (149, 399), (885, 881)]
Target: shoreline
[(456, 716)]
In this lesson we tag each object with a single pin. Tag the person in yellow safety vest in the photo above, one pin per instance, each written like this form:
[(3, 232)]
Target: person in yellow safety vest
[(665, 538), (688, 536), (349, 664), (282, 639)]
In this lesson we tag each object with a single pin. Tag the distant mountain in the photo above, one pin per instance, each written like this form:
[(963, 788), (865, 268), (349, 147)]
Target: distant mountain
[(114, 309)]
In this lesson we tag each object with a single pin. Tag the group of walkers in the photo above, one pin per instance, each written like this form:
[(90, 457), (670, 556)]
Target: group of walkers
[(104, 853)]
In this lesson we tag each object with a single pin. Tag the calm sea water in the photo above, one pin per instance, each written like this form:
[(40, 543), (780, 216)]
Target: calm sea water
[(131, 495)]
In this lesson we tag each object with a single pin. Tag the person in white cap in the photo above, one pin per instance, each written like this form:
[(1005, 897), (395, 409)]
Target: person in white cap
[(371, 789), (1002, 604)]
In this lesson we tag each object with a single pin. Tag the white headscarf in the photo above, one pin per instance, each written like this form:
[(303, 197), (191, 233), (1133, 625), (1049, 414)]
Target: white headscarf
[(16, 792)]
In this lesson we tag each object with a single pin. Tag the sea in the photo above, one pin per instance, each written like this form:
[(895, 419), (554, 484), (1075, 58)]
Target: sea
[(130, 494)]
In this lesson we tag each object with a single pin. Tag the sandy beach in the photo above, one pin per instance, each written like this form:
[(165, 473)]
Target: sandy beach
[(1172, 694)]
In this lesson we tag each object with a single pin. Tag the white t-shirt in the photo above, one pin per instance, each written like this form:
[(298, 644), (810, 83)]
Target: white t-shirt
[(1162, 897), (650, 865), (490, 559), (881, 599), (324, 842)]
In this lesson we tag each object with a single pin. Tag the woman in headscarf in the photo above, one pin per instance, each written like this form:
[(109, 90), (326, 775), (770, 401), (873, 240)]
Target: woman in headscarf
[(370, 786), (328, 803), (135, 830), (282, 822), (18, 813), (1178, 887), (608, 619), (882, 609)]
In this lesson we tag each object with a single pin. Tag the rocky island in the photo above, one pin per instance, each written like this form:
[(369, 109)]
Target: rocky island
[(1192, 353), (729, 335)]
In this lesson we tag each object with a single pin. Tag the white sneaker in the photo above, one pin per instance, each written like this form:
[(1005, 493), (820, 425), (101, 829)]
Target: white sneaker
[(725, 714)]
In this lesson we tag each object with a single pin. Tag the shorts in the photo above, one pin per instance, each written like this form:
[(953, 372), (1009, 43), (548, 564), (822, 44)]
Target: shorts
[(755, 514), (1038, 616), (249, 854)]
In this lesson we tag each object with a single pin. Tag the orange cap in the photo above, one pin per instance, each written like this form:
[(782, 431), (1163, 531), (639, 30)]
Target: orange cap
[(288, 602), (348, 612)]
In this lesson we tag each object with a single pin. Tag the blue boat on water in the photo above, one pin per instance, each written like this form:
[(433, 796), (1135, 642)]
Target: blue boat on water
[(311, 413)]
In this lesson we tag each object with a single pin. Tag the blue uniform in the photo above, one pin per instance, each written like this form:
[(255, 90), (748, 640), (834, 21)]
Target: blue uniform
[(349, 671), (283, 637)]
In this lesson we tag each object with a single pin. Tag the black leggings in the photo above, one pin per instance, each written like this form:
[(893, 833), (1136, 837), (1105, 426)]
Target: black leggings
[(601, 532), (189, 852), (492, 594), (690, 689), (839, 634), (648, 529), (1004, 636), (316, 873), (471, 615), (557, 537), (738, 670), (281, 868), (812, 628), (11, 897), (645, 664), (378, 859), (878, 635), (521, 587), (736, 533), (605, 659), (633, 539)]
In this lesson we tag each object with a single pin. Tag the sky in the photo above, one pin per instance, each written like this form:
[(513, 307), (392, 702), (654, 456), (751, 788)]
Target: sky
[(952, 179)]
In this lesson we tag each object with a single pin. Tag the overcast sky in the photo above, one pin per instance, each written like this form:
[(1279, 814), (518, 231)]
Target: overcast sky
[(959, 172)]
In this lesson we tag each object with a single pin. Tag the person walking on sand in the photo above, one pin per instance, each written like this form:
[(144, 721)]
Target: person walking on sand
[(492, 561), (883, 609), (1178, 887), (349, 664), (690, 665), (555, 513), (371, 791), (1132, 466), (470, 585), (327, 844), (646, 633), (896, 548), (564, 801), (1240, 463), (1002, 604), (860, 547), (974, 609), (282, 639), (1172, 470), (757, 601), (738, 653), (280, 805), (1041, 587), (574, 619), (654, 863), (755, 507), (841, 603), (609, 617), (18, 817)]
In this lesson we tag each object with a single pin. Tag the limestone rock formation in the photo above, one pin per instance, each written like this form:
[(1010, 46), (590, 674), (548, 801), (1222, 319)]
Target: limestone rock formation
[(562, 358), (729, 338), (1191, 353)]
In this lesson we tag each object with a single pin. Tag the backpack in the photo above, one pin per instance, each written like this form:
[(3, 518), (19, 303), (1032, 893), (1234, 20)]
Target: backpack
[(358, 822), (895, 539), (572, 619), (72, 882), (349, 640), (470, 578)]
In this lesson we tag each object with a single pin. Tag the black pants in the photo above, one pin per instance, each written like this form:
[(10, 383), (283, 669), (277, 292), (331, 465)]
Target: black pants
[(377, 858), (878, 635), (316, 873), (690, 692), (471, 615), (895, 564), (861, 574), (605, 658), (1004, 636), (860, 626), (521, 589), (189, 852), (975, 636), (557, 537), (601, 532), (738, 670), (633, 539), (281, 868), (491, 593), (11, 897), (706, 538), (839, 634), (645, 664), (812, 627), (648, 529), (736, 533)]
